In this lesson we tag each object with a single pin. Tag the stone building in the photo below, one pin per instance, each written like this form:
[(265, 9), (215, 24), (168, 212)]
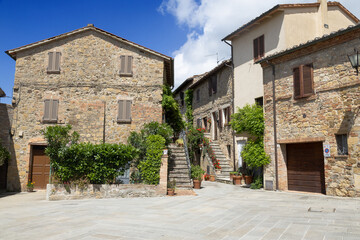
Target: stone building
[(213, 106), (103, 85), (312, 105), (277, 29)]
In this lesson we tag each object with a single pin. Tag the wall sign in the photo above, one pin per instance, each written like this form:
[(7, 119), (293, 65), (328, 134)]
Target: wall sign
[(327, 150)]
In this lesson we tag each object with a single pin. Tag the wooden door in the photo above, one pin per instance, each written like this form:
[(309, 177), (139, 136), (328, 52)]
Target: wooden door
[(305, 167), (40, 167)]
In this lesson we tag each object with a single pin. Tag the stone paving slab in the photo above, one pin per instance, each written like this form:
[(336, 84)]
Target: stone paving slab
[(218, 211)]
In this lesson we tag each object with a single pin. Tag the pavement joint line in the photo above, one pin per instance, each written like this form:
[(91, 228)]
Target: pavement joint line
[(284, 231), (307, 230)]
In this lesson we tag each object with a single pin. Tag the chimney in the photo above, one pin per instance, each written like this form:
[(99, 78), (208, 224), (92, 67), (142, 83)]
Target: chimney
[(90, 25), (323, 11)]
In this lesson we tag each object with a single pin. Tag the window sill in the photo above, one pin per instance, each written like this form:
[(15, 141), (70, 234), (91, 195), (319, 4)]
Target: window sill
[(306, 98), (49, 121), (124, 121), (341, 156), (126, 74), (53, 72)]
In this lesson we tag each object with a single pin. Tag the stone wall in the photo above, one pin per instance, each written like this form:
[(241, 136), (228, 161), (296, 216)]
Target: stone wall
[(333, 109), (206, 105), (88, 89)]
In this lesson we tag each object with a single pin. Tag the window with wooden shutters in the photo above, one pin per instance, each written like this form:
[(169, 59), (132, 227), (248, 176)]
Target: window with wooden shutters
[(124, 111), (259, 47), (303, 81), (54, 62), (126, 65), (50, 111)]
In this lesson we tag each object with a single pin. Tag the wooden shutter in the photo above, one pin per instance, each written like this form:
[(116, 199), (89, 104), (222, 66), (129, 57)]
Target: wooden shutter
[(220, 118), (307, 73), (129, 64), (46, 116), (256, 48), (210, 86), (51, 62), (57, 61), (261, 46), (128, 110), (124, 111), (54, 110), (297, 92), (214, 83), (122, 64)]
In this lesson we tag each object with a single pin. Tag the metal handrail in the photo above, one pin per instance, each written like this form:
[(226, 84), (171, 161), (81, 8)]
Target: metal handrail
[(183, 136)]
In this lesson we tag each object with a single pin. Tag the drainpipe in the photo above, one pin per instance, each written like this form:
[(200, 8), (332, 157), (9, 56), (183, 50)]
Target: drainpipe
[(275, 128), (104, 126), (232, 98)]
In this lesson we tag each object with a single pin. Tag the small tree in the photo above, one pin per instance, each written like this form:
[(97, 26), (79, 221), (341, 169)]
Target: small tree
[(250, 119), (171, 110)]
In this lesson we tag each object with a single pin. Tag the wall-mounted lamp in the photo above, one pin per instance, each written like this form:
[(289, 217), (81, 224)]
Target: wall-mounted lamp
[(354, 60)]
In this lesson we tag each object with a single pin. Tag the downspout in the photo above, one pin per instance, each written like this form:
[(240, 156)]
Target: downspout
[(275, 128), (232, 99), (104, 126)]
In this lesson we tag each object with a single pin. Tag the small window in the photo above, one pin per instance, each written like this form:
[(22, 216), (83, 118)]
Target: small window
[(227, 115), (229, 150), (124, 111), (212, 85), (342, 145), (259, 47), (303, 81), (198, 95), (126, 66), (259, 101), (54, 62), (182, 99), (50, 111)]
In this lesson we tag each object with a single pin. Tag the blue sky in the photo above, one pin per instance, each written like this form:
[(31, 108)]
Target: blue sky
[(188, 30)]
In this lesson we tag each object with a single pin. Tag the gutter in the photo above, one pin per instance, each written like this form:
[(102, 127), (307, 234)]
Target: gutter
[(275, 127), (232, 99)]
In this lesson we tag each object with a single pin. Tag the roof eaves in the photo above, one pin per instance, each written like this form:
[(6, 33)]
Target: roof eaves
[(309, 43), (206, 75), (12, 52)]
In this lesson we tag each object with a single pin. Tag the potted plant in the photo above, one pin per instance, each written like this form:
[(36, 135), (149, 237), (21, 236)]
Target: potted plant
[(30, 186), (248, 176), (179, 142), (196, 175), (171, 188), (207, 177), (232, 174), (237, 178)]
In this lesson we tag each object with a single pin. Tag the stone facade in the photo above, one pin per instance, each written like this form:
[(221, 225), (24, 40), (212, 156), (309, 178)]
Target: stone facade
[(88, 89), (6, 117), (205, 106), (332, 109)]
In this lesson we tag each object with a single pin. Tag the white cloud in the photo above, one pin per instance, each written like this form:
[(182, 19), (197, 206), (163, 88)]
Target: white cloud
[(208, 21)]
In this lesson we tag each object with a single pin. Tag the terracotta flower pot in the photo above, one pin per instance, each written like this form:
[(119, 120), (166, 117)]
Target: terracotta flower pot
[(29, 189), (237, 180), (212, 178), (197, 184), (170, 192), (248, 179)]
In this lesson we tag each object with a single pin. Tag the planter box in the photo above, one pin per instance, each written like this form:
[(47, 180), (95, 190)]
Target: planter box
[(70, 192)]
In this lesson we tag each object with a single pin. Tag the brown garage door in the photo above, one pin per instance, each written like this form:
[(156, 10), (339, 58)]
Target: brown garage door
[(40, 167), (305, 167)]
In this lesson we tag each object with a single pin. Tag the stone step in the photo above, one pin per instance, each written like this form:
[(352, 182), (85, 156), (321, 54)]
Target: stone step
[(179, 175), (179, 170)]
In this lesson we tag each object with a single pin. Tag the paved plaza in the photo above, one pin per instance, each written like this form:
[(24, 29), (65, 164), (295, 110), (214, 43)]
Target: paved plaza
[(219, 211)]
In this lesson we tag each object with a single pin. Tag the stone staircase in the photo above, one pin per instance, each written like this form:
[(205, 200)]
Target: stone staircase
[(224, 163), (178, 169)]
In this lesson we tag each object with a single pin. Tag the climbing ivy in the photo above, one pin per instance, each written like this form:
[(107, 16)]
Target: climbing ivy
[(171, 110), (189, 110)]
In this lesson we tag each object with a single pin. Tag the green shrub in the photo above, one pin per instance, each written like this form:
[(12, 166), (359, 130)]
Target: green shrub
[(135, 177), (4, 155), (254, 154), (138, 139), (257, 184), (196, 172), (189, 110), (150, 167)]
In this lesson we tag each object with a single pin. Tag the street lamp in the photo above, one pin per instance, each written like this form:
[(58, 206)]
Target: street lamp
[(354, 60)]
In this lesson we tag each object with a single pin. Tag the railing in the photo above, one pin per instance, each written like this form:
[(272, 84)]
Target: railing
[(183, 136)]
